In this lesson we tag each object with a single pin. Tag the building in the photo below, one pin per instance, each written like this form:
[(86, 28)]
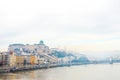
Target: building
[(40, 53), (33, 60), (12, 59), (35, 48), (20, 60), (7, 59), (15, 47), (4, 58), (40, 59)]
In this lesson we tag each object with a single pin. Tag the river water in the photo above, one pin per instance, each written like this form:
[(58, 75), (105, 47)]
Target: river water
[(81, 72)]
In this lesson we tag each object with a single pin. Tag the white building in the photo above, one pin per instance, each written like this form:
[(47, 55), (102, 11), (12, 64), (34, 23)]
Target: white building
[(40, 50)]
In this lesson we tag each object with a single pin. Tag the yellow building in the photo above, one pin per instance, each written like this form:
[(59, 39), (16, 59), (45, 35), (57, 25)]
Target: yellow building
[(24, 59), (33, 59), (20, 61), (12, 59)]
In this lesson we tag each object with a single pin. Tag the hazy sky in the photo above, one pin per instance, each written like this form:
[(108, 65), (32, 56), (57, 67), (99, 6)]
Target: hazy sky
[(79, 25)]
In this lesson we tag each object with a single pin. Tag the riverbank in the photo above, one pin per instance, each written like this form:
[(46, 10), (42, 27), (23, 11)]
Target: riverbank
[(42, 66), (34, 67), (76, 72)]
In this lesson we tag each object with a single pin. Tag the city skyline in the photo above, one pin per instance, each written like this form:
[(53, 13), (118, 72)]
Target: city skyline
[(77, 26)]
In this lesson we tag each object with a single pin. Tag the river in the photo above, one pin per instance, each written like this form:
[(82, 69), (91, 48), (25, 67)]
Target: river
[(81, 72)]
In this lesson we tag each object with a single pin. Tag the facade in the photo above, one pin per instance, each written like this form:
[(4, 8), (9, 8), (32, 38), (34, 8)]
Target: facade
[(50, 59), (40, 51), (20, 61), (12, 59), (25, 59), (40, 59), (33, 60), (4, 59), (15, 47), (36, 48)]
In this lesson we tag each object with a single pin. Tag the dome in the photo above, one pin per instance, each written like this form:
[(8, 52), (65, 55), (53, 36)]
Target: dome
[(41, 42)]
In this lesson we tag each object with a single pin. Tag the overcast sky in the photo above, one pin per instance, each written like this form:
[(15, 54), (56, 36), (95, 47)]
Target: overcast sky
[(78, 25)]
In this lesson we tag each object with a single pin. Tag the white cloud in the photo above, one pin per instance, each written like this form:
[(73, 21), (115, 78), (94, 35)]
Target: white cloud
[(90, 24)]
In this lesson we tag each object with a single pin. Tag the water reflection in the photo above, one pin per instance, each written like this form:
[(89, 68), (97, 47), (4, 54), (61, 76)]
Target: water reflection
[(83, 72)]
